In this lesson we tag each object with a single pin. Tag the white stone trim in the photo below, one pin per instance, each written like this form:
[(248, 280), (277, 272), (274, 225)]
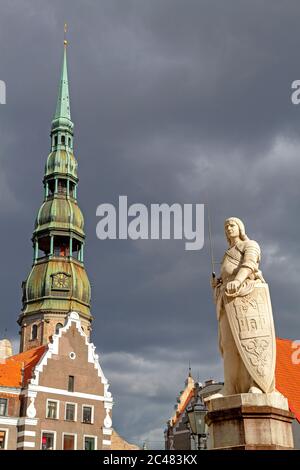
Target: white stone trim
[(31, 411), (92, 414), (68, 434), (108, 404), (30, 393), (75, 417), (105, 442), (59, 391), (93, 358), (25, 444), (27, 421), (6, 430), (107, 422), (10, 390), (26, 433), (57, 409), (107, 432), (94, 437), (49, 432), (8, 421)]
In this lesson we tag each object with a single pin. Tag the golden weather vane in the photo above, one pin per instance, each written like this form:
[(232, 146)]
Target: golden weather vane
[(65, 32)]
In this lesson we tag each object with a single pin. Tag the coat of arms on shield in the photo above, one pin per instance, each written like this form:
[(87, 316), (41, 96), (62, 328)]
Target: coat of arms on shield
[(251, 321)]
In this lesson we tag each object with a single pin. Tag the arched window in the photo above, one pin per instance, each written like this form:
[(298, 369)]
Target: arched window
[(57, 328), (55, 141), (63, 140), (34, 330), (70, 142)]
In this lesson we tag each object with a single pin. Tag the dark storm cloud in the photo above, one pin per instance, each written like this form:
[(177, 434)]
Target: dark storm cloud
[(173, 101)]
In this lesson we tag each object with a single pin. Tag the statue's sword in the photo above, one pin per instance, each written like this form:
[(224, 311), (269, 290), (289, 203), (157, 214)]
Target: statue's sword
[(210, 244)]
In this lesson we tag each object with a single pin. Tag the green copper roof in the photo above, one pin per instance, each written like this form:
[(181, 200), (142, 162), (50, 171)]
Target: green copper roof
[(59, 214), (62, 116), (61, 162), (63, 101), (40, 294)]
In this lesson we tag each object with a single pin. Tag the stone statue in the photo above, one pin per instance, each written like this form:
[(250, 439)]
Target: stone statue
[(244, 312)]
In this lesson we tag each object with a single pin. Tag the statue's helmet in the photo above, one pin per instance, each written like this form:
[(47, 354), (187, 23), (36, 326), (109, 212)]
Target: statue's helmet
[(240, 225)]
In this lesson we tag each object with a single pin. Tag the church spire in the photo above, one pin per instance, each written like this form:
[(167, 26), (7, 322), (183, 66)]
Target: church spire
[(62, 126), (63, 100), (57, 282)]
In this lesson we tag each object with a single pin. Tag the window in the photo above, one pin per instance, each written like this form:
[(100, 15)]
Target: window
[(55, 141), (57, 328), (61, 246), (68, 442), (62, 186), (89, 443), (71, 186), (52, 407), (34, 332), (87, 414), (3, 406), (71, 383), (70, 412), (69, 142), (48, 441), (63, 140), (2, 439)]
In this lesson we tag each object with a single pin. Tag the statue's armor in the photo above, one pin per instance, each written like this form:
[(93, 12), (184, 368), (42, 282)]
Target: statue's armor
[(245, 254)]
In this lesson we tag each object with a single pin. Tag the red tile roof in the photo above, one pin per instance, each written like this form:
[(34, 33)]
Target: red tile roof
[(11, 370), (287, 373)]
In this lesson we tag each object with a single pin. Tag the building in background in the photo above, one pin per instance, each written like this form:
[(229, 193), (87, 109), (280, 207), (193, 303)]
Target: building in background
[(53, 394), (178, 434)]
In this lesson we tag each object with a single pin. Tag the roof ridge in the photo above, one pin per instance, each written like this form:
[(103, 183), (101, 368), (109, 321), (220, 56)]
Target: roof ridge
[(285, 339), (26, 353)]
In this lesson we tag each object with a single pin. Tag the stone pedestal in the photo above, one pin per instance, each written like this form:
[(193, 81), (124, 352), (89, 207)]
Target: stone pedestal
[(250, 421)]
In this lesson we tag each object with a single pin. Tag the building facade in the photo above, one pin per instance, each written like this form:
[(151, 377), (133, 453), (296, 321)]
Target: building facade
[(178, 434), (53, 394)]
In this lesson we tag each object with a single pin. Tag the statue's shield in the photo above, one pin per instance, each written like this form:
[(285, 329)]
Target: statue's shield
[(251, 321)]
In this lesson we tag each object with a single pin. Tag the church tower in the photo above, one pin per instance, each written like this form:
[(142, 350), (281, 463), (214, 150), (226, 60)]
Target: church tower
[(57, 282)]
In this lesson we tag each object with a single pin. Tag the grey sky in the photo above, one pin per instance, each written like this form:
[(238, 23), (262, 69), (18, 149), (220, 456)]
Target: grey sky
[(173, 101)]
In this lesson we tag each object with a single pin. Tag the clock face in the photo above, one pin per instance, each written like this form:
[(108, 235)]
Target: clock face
[(60, 281)]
